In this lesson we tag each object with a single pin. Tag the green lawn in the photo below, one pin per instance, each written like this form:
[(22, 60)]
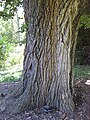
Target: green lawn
[(11, 74), (81, 72)]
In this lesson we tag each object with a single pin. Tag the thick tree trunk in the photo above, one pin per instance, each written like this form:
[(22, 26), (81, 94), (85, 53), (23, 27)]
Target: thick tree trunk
[(48, 61)]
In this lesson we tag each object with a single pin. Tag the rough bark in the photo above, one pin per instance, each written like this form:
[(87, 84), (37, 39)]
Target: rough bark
[(48, 59)]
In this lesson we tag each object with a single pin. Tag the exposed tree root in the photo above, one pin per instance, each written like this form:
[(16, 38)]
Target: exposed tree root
[(17, 91), (8, 98), (18, 103)]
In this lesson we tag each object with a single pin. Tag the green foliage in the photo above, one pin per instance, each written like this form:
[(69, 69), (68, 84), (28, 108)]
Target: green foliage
[(13, 61), (9, 7), (8, 44), (8, 79), (6, 41), (81, 72), (83, 38), (85, 20), (10, 40), (15, 58), (1, 58), (24, 27), (4, 50)]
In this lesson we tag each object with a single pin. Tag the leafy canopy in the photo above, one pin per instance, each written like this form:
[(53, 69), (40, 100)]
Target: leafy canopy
[(85, 18), (9, 7)]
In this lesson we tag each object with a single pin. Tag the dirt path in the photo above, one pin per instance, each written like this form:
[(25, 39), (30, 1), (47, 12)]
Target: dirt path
[(82, 100)]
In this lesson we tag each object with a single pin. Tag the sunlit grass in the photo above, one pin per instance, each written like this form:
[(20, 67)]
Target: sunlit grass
[(11, 74), (81, 72)]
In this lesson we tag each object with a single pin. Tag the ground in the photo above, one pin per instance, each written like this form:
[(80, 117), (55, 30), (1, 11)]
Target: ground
[(82, 101)]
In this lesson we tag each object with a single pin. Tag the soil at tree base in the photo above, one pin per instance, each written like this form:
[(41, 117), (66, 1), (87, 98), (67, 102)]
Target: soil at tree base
[(81, 99)]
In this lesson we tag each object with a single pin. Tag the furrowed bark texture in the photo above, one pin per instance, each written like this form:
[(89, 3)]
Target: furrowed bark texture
[(48, 61)]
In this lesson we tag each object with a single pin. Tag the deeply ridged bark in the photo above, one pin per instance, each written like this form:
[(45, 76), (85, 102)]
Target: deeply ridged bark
[(48, 61)]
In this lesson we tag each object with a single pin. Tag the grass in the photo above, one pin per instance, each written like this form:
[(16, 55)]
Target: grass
[(81, 72), (11, 74)]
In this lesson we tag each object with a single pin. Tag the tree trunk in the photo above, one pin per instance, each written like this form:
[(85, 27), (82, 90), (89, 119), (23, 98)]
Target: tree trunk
[(49, 52)]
